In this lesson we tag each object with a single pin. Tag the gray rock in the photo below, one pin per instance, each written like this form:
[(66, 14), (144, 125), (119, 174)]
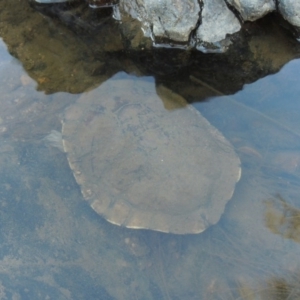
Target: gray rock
[(217, 22), (170, 19), (290, 10), (252, 10), (203, 24)]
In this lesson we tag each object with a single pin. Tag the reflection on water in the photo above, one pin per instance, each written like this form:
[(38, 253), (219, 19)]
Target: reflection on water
[(54, 246)]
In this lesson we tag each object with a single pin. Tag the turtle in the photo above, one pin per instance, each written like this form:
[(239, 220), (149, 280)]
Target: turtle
[(146, 159)]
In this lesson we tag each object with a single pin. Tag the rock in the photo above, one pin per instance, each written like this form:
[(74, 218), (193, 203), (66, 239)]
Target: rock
[(202, 24), (165, 19), (290, 10), (252, 10), (217, 22)]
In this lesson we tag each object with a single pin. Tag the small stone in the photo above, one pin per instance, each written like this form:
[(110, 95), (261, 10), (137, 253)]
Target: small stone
[(26, 80), (3, 129)]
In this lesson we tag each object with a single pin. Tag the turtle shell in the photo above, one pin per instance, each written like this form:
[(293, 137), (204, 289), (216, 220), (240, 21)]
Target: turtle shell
[(146, 163)]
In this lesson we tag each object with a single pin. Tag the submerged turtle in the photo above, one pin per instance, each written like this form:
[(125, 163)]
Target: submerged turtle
[(145, 163)]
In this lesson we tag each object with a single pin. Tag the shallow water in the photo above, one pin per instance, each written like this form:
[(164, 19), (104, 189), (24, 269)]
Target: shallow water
[(54, 246)]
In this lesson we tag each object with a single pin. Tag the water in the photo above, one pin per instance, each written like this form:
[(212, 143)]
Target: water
[(54, 246)]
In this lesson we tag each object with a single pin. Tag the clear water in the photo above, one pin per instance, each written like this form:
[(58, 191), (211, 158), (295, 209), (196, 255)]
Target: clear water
[(54, 246)]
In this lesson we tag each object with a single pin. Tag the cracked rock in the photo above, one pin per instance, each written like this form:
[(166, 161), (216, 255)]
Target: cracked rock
[(165, 19), (251, 10), (217, 22)]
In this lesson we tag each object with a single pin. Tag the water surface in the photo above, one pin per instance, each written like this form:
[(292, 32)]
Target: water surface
[(54, 246)]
